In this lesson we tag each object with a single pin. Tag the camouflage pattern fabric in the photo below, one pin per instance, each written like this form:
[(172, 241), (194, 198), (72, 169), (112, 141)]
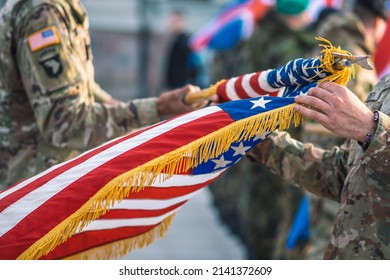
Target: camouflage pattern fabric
[(273, 43), (359, 180), (347, 31), (51, 108)]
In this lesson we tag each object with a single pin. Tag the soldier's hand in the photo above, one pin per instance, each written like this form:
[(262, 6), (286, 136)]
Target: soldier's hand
[(337, 109), (172, 103)]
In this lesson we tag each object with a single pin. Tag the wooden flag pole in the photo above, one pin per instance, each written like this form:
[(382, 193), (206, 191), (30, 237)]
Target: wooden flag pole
[(193, 97)]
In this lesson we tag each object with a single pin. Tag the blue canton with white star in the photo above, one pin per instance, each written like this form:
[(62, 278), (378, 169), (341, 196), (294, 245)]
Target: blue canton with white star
[(237, 110)]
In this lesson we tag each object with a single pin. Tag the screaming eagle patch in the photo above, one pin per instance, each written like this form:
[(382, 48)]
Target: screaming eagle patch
[(43, 38), (51, 63)]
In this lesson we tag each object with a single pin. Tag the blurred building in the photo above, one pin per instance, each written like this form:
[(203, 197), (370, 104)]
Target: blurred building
[(129, 41)]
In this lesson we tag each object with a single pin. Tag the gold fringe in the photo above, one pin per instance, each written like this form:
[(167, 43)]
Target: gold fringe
[(342, 76), (199, 151), (118, 249)]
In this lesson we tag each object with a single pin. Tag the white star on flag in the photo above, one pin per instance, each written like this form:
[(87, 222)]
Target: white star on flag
[(260, 103), (261, 136), (221, 162), (291, 77), (240, 149)]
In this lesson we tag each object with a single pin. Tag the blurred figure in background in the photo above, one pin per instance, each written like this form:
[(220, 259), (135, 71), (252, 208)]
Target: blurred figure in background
[(182, 65), (283, 34)]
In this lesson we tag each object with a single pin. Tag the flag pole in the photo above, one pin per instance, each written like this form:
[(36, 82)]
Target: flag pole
[(196, 96)]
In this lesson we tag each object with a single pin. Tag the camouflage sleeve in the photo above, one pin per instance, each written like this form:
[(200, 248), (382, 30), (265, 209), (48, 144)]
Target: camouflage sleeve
[(146, 109), (59, 86), (319, 171), (100, 95), (377, 155)]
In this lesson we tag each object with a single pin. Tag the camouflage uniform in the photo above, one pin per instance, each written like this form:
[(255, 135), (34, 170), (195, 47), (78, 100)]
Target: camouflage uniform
[(51, 109), (359, 180), (347, 31), (256, 204), (273, 43)]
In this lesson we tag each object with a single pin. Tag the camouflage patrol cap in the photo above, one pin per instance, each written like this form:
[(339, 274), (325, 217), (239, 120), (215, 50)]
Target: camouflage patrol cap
[(291, 7), (377, 7)]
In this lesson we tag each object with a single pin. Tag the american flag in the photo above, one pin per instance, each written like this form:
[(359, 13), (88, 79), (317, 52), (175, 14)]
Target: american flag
[(46, 209), (43, 38), (123, 194)]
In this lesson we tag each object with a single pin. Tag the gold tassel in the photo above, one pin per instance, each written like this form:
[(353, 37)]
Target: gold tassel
[(342, 76), (117, 249), (135, 180)]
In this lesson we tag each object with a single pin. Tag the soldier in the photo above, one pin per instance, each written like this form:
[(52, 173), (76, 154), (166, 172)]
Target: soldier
[(51, 108), (355, 174), (256, 204), (354, 31), (283, 34), (179, 69)]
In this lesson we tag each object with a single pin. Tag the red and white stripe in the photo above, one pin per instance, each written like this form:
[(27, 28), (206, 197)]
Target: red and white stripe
[(37, 41), (30, 209), (246, 86), (43, 38), (136, 214)]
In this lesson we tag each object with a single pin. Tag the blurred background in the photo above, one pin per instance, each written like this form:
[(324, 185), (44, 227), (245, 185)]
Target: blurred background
[(130, 40)]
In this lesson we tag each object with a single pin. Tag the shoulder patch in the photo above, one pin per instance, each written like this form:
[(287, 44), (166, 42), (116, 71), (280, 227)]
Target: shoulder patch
[(43, 38)]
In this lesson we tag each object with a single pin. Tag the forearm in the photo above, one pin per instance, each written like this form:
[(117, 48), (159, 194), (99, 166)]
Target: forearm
[(319, 171), (83, 124), (376, 157), (144, 108)]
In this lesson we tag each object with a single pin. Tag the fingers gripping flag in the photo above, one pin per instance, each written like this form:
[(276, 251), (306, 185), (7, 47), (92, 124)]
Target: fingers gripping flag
[(123, 194)]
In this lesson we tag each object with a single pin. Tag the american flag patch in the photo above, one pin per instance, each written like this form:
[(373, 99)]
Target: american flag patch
[(43, 38)]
